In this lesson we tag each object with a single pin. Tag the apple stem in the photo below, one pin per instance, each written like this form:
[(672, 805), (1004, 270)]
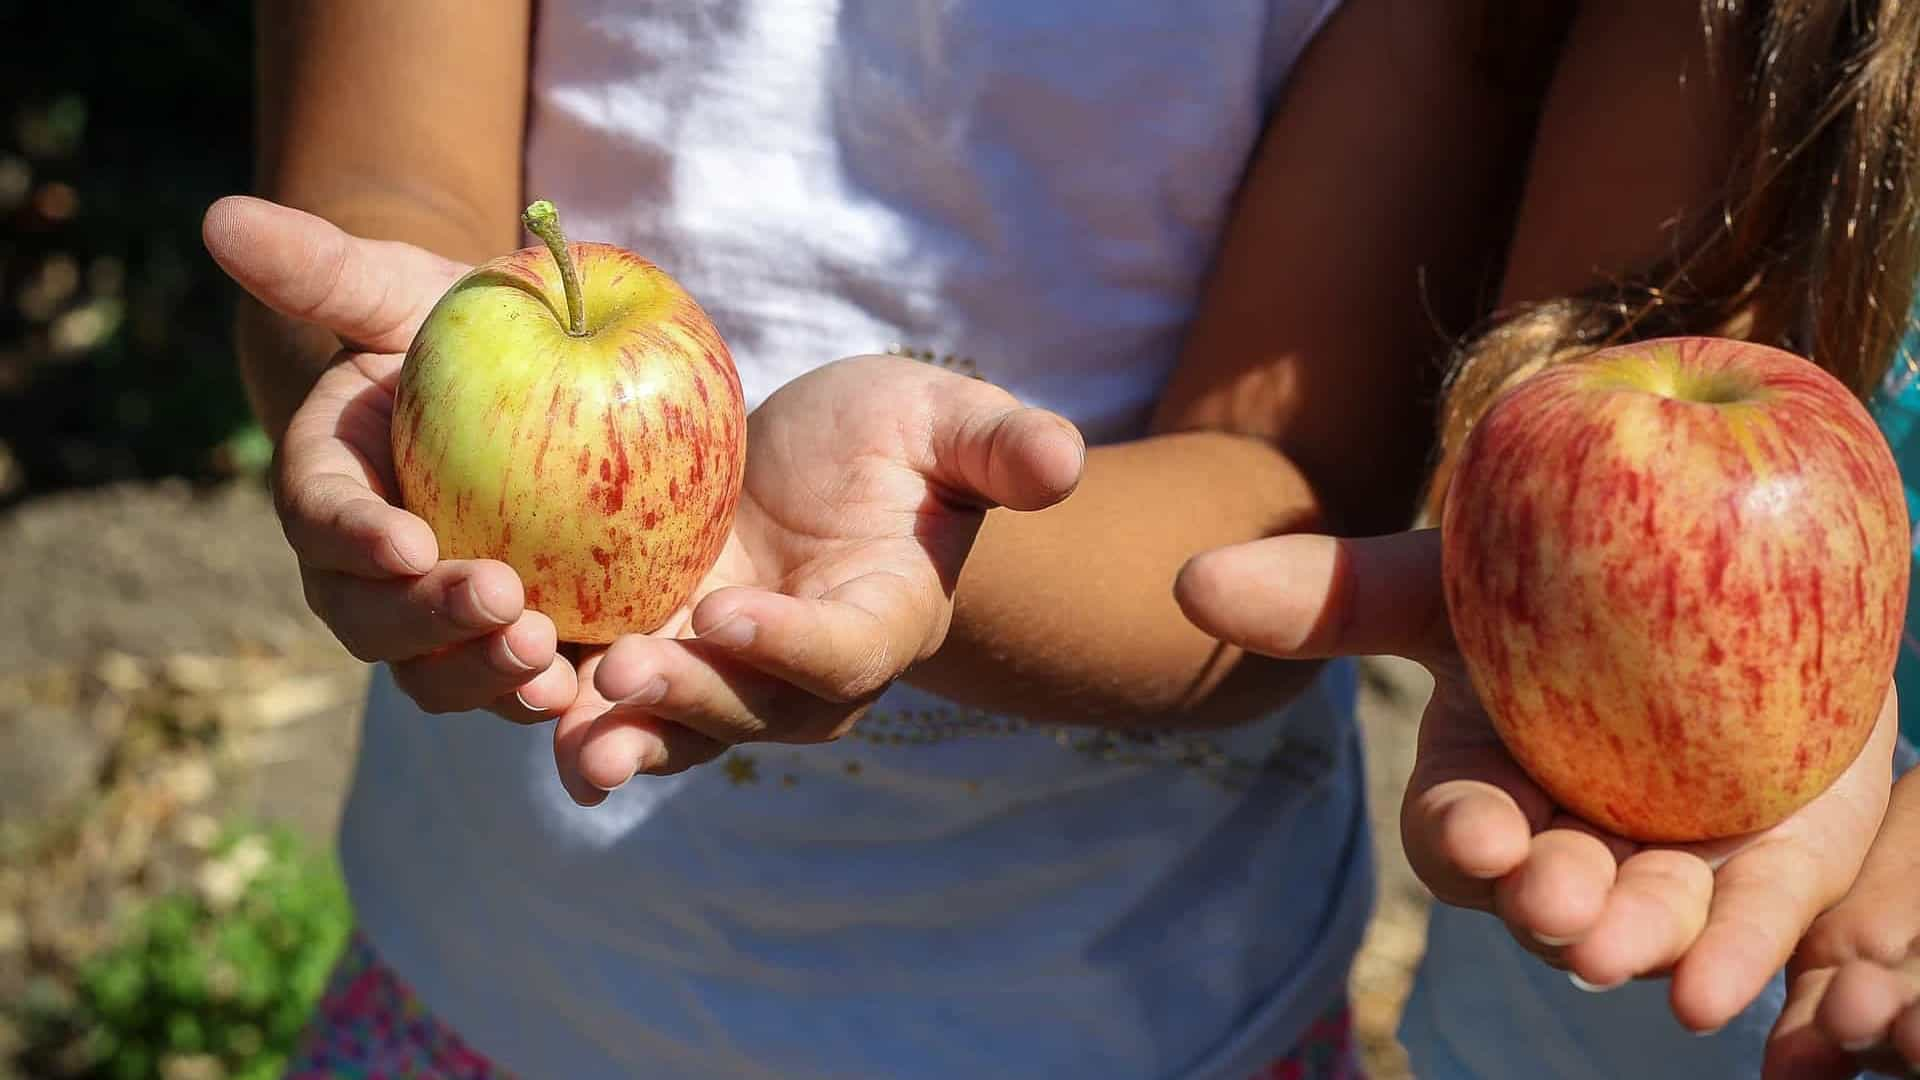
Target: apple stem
[(543, 221)]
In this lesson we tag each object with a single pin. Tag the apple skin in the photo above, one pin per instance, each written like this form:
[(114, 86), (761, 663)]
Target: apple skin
[(1682, 615), (605, 468)]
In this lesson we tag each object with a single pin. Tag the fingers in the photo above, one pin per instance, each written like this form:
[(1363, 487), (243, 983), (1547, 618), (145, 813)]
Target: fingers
[(1305, 596), (1463, 835), (331, 480), (844, 646), (1763, 901), (697, 687), (1470, 812), (1769, 893), (1654, 913), (1865, 1003), (1904, 1037), (482, 672), (1557, 894), (678, 703), (335, 523), (372, 293), (983, 448), (625, 740), (1796, 1048), (406, 618)]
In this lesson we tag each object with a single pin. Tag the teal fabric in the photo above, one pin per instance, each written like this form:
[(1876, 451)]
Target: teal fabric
[(1896, 406)]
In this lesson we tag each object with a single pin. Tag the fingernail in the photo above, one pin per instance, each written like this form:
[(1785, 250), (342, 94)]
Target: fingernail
[(1861, 1045), (1553, 942), (1709, 1031), (513, 658), (406, 561), (735, 633), (525, 704), (651, 694), (638, 765), (1591, 988)]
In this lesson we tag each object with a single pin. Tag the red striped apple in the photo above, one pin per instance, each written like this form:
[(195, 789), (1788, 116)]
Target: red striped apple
[(1677, 573), (570, 411)]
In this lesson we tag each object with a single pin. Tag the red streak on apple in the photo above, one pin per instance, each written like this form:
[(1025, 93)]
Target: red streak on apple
[(1714, 667), (604, 467)]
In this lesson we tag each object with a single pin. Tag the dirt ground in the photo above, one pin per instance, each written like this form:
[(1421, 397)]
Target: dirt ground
[(137, 622)]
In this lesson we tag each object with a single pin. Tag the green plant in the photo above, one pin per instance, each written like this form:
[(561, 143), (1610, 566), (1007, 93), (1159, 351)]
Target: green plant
[(223, 977)]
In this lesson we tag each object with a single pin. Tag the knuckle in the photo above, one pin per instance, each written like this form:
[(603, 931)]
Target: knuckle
[(1883, 943)]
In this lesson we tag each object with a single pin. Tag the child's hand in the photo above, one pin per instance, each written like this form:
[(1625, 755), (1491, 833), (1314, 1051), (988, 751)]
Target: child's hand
[(1853, 988), (866, 483), (1721, 918), (455, 632)]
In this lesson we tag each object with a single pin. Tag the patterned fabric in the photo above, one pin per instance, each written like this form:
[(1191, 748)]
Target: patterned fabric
[(1897, 409), (370, 1025), (1326, 1052)]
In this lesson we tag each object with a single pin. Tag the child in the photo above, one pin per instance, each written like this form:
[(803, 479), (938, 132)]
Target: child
[(1053, 828), (1786, 1033), (1485, 1004)]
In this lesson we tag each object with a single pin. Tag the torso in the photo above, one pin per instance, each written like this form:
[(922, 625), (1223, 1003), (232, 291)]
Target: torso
[(1027, 192)]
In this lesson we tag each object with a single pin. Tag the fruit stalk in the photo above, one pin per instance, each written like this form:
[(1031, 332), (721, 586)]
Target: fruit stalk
[(543, 220)]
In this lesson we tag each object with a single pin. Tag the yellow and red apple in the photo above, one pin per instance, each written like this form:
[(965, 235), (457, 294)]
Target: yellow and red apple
[(570, 410), (1677, 573)]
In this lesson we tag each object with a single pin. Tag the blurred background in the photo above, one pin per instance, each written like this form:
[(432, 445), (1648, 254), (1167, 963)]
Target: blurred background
[(175, 728)]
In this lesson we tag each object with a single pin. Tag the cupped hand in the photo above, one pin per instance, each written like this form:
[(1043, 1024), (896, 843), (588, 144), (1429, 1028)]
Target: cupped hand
[(1720, 918), (866, 483), (456, 633), (1853, 987)]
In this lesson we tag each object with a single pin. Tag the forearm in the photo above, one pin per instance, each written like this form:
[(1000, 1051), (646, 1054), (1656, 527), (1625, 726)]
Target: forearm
[(1302, 391), (1068, 615), (398, 122)]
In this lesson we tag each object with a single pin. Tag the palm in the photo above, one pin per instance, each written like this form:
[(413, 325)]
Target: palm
[(1723, 918), (832, 501), (832, 492), (866, 481)]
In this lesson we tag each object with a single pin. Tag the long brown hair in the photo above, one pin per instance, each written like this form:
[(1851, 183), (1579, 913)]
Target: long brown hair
[(1815, 246)]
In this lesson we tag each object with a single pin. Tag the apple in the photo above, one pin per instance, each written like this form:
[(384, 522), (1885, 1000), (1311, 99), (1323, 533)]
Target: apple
[(569, 410), (1677, 573)]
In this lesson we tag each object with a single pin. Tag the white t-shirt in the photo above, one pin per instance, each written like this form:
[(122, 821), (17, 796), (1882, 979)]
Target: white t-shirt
[(1029, 191)]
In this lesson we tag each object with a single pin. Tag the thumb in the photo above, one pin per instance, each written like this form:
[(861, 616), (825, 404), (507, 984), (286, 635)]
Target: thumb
[(372, 293), (1305, 596), (985, 451)]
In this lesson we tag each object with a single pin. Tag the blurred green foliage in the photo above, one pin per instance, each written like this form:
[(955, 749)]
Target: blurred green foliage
[(123, 121), (217, 982)]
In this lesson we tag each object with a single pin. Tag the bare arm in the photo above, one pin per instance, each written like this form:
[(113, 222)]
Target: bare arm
[(1634, 137), (1630, 139), (1301, 398), (393, 121)]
